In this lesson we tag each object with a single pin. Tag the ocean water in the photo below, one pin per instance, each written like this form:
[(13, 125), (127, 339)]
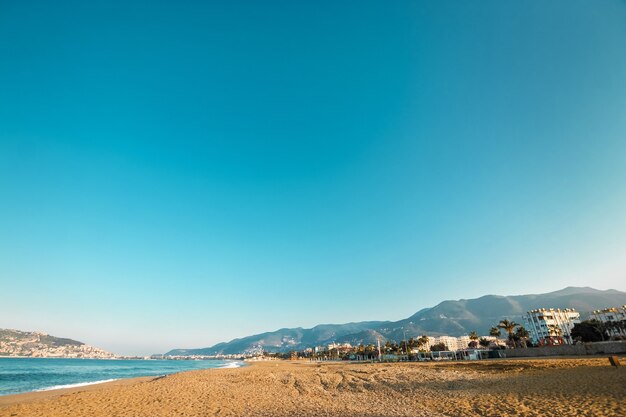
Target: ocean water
[(19, 375)]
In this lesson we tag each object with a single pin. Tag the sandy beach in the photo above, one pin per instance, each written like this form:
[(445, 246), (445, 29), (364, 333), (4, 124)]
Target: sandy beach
[(540, 387)]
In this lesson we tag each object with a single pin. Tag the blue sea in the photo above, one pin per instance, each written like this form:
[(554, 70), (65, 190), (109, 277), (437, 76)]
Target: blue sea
[(19, 375)]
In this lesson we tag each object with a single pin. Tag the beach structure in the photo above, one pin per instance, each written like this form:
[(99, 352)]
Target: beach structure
[(472, 354), (610, 316), (444, 355), (550, 326), (449, 355)]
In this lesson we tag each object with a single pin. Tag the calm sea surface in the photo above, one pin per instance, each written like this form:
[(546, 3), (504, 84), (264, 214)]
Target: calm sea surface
[(35, 374)]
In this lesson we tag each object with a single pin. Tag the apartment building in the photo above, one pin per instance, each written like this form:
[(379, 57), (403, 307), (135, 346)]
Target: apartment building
[(551, 326), (454, 343), (611, 315)]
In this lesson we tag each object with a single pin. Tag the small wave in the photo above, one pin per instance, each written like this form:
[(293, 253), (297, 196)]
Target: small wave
[(80, 384), (232, 365)]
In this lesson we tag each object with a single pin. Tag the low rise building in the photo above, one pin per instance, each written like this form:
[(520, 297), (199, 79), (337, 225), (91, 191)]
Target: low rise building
[(454, 343), (451, 342), (551, 326), (341, 347)]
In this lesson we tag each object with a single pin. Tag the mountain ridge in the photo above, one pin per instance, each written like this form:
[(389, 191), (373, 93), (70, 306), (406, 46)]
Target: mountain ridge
[(451, 317)]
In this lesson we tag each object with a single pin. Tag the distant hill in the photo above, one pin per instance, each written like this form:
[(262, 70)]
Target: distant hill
[(37, 344), (452, 317), (459, 317)]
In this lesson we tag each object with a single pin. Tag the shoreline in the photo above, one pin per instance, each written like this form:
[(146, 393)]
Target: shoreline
[(54, 357), (498, 387), (26, 397), (84, 385), (89, 386), (30, 396)]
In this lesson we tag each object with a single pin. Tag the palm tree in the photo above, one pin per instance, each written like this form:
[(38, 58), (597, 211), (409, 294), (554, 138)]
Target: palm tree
[(508, 326), (522, 334), (412, 343), (495, 332), (371, 351)]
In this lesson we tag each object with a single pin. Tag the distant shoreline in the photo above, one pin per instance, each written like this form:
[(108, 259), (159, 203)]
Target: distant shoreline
[(56, 357)]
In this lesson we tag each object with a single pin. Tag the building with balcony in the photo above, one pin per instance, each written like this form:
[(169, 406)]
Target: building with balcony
[(613, 317), (551, 326)]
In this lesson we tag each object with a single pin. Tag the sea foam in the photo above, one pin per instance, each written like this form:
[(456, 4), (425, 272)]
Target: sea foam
[(80, 384), (232, 365)]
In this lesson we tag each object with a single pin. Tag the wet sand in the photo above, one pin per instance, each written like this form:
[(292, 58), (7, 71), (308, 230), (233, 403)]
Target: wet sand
[(524, 387)]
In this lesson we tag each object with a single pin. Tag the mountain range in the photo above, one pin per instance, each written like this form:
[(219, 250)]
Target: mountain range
[(452, 317)]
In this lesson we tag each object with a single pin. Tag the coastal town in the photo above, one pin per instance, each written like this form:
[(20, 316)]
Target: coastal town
[(541, 327), (42, 345)]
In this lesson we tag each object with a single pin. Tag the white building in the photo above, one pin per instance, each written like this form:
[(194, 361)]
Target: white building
[(551, 326), (451, 342), (454, 343), (462, 342), (339, 346), (613, 314)]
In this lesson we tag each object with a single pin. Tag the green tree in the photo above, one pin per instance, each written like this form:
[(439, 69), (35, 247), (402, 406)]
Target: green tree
[(589, 331), (484, 342), (522, 335), (413, 343), (509, 327), (371, 351), (422, 342), (438, 347), (495, 332)]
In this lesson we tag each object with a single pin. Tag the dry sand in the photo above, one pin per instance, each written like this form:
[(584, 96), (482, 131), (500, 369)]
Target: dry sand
[(541, 387)]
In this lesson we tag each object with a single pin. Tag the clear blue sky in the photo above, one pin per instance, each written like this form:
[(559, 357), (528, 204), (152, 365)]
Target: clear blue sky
[(176, 174)]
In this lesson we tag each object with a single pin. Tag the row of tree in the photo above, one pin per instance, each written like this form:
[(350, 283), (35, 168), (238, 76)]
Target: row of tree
[(517, 336), (598, 331), (585, 331)]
